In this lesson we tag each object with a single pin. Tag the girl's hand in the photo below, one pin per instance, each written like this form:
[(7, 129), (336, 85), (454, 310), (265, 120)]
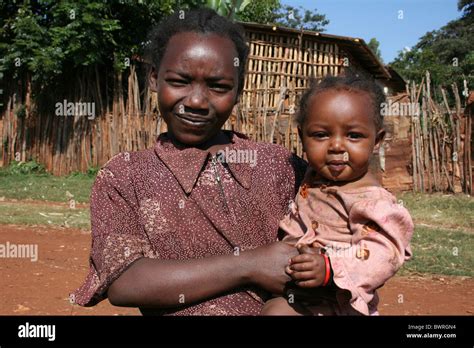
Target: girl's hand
[(268, 265), (307, 269)]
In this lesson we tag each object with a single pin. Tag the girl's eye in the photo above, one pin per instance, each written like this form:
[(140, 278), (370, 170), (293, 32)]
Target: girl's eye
[(177, 82), (354, 135), (220, 88)]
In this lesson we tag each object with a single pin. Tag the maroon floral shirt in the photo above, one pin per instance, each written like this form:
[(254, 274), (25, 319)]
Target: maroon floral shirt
[(179, 203)]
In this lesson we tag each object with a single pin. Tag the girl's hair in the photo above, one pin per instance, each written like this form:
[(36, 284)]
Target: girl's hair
[(203, 21), (350, 82)]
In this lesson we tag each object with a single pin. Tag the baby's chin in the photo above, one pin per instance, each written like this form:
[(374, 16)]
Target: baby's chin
[(337, 177)]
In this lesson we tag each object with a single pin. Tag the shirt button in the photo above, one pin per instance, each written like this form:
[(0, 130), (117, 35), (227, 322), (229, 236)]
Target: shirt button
[(363, 253)]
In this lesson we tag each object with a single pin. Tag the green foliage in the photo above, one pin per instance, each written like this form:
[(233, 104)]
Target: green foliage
[(263, 11), (228, 8), (439, 251), (24, 213), (374, 45), (448, 53), (23, 168), (52, 38), (444, 233), (291, 17), (92, 171), (467, 6), (440, 210), (41, 186), (270, 12)]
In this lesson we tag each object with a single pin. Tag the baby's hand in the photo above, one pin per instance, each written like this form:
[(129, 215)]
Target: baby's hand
[(307, 269)]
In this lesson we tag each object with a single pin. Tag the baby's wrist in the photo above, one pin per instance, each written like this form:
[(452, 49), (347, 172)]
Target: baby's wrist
[(327, 270)]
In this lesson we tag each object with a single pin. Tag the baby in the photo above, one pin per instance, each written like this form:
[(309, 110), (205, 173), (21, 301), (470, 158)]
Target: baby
[(360, 232)]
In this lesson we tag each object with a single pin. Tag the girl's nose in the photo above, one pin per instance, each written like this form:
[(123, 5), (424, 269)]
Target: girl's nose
[(197, 99)]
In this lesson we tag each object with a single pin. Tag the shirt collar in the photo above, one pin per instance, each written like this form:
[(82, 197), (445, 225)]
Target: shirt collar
[(186, 163)]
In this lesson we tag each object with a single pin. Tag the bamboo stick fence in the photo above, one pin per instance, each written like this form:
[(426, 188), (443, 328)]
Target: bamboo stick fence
[(441, 142), (65, 144), (278, 71)]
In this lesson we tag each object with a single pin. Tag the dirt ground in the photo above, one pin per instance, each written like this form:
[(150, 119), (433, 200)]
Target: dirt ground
[(43, 287)]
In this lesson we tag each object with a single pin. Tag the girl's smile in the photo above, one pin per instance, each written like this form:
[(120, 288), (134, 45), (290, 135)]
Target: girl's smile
[(197, 85)]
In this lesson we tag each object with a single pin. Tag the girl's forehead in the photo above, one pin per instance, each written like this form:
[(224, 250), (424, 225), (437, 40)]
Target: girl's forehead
[(196, 51), (201, 41)]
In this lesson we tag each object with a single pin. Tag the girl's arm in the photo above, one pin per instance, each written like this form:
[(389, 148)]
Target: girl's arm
[(166, 283)]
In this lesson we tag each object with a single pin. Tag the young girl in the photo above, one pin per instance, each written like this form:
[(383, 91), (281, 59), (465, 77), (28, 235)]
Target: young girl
[(362, 232), (176, 231)]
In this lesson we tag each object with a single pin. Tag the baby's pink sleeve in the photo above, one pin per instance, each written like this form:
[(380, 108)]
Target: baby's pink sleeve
[(381, 232)]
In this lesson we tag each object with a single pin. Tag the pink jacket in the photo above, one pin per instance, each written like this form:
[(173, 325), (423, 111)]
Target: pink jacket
[(366, 235)]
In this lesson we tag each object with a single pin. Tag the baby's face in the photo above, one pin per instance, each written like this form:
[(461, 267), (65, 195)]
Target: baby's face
[(197, 85), (339, 134)]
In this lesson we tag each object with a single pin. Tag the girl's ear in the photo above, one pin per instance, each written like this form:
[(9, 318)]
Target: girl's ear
[(379, 138), (153, 79)]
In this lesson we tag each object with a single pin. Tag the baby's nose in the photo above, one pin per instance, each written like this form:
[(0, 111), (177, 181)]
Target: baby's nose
[(337, 145)]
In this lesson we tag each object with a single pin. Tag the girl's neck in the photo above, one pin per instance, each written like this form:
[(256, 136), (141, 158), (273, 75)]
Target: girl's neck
[(213, 145)]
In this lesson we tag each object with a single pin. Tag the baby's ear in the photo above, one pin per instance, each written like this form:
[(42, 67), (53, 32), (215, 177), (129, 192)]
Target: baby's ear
[(379, 138), (153, 79), (300, 134)]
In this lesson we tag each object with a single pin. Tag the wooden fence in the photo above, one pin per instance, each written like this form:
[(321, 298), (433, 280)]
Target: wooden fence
[(435, 155), (441, 141), (127, 117)]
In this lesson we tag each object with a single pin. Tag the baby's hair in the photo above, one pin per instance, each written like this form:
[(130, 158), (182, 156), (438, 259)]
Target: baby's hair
[(350, 82), (203, 21)]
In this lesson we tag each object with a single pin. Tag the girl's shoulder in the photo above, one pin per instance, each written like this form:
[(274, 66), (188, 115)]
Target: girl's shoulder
[(269, 154), (270, 149), (126, 164)]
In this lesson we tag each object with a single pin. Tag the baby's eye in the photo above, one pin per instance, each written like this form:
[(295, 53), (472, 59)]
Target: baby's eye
[(319, 135), (355, 135)]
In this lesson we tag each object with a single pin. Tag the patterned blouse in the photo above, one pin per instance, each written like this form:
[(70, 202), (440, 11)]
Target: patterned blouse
[(179, 203)]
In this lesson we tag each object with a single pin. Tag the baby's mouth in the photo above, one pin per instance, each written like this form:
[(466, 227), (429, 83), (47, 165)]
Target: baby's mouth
[(337, 166)]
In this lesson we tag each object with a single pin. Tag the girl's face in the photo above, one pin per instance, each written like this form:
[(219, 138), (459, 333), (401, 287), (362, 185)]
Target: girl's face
[(197, 85), (339, 134)]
